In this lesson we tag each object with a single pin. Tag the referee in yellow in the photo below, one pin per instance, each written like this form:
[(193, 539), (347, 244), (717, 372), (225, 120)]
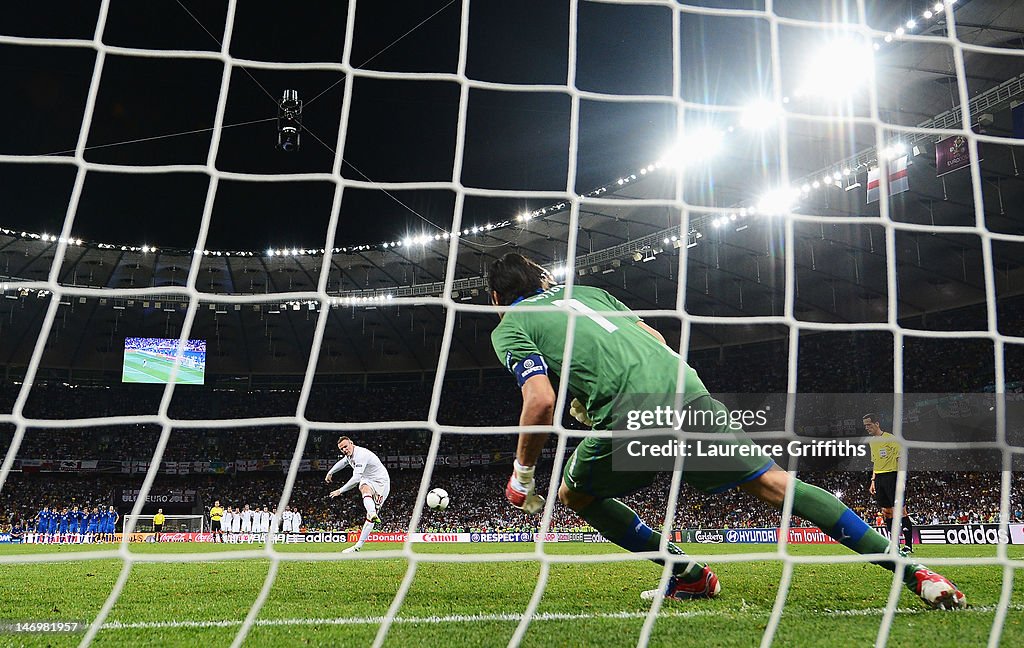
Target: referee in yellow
[(885, 459), (216, 513), (158, 523)]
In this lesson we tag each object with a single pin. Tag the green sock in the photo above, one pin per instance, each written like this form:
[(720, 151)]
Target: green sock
[(620, 524), (836, 519)]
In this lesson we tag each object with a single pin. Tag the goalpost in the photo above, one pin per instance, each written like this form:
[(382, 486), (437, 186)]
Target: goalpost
[(173, 523), (686, 214)]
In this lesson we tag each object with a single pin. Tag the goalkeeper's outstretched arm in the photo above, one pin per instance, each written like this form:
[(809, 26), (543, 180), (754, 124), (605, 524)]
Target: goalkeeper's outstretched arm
[(538, 409)]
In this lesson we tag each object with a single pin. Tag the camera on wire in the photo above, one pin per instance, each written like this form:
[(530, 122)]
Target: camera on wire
[(289, 122)]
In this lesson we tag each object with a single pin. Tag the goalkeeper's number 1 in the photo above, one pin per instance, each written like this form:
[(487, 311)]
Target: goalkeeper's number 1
[(580, 307)]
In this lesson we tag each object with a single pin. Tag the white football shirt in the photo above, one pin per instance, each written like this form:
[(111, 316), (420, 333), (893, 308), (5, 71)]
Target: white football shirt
[(366, 465)]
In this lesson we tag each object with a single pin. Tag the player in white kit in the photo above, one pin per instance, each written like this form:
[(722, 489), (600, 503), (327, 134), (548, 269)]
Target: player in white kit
[(236, 522), (264, 520), (372, 478), (286, 520), (227, 521), (246, 519)]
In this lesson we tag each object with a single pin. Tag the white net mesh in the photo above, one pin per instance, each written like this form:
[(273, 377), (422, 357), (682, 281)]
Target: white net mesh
[(687, 215)]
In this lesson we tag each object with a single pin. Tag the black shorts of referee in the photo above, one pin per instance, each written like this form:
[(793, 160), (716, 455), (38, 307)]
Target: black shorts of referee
[(215, 526), (885, 489), (157, 528)]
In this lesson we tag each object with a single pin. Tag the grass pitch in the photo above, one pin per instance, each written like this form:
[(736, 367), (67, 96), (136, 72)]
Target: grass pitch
[(452, 603), (156, 370)]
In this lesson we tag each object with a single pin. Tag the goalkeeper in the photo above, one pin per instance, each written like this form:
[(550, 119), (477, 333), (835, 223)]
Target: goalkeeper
[(616, 357)]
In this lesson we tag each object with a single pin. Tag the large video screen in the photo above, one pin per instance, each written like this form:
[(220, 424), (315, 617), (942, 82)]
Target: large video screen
[(149, 360)]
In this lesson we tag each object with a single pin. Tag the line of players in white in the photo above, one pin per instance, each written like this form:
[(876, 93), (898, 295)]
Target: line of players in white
[(257, 520)]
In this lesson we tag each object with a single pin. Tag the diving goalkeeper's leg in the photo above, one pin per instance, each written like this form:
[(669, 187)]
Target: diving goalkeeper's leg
[(836, 519), (621, 525)]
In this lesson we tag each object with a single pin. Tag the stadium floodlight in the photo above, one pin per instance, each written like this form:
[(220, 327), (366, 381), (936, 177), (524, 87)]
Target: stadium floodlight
[(911, 23), (698, 146), (289, 122), (760, 115), (838, 69), (927, 14), (894, 151), (777, 201)]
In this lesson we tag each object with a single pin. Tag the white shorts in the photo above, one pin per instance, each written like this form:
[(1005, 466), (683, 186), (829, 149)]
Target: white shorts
[(381, 490)]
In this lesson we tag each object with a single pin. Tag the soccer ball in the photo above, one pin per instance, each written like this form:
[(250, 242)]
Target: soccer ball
[(437, 499)]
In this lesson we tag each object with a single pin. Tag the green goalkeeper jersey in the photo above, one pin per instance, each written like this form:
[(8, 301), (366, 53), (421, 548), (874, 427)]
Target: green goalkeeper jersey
[(615, 366)]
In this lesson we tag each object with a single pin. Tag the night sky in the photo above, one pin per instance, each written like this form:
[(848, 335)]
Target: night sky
[(159, 111), (398, 130)]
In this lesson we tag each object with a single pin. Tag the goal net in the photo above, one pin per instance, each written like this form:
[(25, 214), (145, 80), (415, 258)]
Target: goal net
[(826, 210)]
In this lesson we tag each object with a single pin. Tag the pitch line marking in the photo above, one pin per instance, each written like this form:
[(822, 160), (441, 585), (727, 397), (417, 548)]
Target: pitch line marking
[(512, 617)]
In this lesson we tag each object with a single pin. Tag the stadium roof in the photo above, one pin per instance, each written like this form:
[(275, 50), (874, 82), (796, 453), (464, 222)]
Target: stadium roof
[(626, 226)]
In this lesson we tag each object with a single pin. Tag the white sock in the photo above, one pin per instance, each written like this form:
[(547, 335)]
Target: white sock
[(365, 533), (370, 505)]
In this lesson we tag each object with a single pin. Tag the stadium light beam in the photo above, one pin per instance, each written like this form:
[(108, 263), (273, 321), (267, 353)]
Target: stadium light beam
[(761, 114), (777, 201), (893, 151), (838, 69), (698, 146)]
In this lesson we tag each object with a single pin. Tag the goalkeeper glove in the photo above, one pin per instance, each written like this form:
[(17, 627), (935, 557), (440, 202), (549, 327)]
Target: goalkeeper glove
[(520, 489), (579, 412)]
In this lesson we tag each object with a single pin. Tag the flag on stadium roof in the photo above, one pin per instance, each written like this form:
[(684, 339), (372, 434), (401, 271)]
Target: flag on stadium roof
[(898, 179)]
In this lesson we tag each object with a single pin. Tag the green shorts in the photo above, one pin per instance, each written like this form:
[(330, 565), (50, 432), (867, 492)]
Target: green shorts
[(590, 468)]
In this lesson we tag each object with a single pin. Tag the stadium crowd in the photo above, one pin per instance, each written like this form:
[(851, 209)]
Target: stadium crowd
[(850, 363), (477, 504)]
